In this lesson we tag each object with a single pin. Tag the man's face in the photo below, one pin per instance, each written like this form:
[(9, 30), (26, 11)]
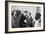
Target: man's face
[(26, 14)]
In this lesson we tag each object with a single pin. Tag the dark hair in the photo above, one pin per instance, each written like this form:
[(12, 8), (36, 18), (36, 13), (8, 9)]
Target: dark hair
[(37, 16), (13, 12), (18, 12), (25, 11), (29, 13)]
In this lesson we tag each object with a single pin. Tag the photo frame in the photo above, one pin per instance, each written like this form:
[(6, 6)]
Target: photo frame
[(33, 7)]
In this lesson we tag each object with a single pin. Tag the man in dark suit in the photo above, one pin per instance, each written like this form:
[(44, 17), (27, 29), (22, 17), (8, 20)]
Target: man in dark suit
[(22, 19), (21, 22), (30, 21)]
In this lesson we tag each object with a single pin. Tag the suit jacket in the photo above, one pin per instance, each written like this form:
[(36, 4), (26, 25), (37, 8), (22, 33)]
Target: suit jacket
[(21, 22), (29, 22)]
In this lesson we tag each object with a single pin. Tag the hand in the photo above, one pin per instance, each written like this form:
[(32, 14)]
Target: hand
[(25, 21)]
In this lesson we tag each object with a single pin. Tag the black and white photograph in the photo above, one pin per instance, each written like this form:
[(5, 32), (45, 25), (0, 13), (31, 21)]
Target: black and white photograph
[(23, 16)]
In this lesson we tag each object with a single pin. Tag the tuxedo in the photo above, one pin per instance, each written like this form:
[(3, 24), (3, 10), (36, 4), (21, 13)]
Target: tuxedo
[(21, 22)]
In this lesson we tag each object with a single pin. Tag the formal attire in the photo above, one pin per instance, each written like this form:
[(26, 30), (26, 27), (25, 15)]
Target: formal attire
[(29, 22), (21, 22)]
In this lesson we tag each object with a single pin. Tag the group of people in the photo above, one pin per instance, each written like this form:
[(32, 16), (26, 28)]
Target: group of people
[(23, 19)]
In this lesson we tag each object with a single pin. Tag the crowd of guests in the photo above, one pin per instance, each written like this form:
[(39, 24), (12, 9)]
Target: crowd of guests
[(24, 19)]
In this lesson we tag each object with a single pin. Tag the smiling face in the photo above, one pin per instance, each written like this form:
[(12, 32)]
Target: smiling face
[(26, 14)]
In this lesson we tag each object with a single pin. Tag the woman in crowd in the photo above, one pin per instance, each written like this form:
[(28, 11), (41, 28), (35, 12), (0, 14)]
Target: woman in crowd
[(38, 20)]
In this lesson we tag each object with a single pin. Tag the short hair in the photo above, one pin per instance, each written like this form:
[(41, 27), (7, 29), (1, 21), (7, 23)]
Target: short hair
[(37, 16), (29, 13), (18, 12), (25, 11), (13, 12)]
